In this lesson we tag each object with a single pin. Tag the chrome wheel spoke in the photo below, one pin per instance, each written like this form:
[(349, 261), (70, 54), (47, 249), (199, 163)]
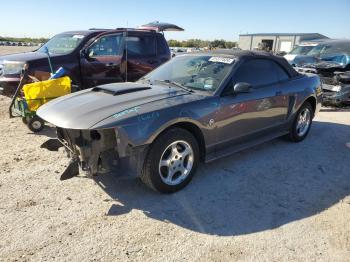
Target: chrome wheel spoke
[(164, 163), (186, 152), (170, 175), (174, 150)]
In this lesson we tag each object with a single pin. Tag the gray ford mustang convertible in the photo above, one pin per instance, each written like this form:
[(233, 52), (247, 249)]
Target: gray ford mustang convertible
[(196, 107)]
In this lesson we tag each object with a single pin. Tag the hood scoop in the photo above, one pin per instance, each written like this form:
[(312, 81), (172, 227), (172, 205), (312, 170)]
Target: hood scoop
[(120, 88)]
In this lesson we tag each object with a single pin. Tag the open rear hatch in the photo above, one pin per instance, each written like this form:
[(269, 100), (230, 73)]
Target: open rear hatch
[(161, 27)]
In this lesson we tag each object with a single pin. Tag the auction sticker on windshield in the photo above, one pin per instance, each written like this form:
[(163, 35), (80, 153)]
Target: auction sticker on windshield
[(78, 36), (224, 60)]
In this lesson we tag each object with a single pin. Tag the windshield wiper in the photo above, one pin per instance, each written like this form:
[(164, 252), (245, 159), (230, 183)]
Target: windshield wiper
[(175, 84)]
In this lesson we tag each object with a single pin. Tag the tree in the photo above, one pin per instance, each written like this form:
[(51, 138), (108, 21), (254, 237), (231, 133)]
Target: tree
[(218, 44), (230, 44), (174, 43), (198, 43)]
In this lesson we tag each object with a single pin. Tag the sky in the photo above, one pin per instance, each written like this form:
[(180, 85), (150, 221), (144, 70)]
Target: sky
[(207, 20)]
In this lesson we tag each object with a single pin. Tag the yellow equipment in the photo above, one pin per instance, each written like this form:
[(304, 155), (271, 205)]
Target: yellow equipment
[(39, 93), (35, 95)]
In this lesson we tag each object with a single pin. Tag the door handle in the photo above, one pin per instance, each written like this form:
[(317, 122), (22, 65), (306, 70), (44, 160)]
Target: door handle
[(110, 65)]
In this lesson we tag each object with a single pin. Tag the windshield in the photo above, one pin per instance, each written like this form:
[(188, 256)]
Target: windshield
[(330, 49), (62, 44), (301, 50), (204, 72)]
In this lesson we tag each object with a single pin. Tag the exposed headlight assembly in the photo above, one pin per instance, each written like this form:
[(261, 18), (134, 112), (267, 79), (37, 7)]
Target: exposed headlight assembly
[(336, 88), (333, 88), (12, 67)]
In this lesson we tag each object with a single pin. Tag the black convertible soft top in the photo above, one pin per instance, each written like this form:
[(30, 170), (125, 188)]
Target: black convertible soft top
[(245, 55)]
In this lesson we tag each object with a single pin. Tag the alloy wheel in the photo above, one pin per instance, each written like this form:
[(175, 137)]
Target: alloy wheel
[(176, 162), (304, 121)]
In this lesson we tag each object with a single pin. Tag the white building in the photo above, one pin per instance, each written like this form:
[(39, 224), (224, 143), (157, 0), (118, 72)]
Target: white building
[(276, 42)]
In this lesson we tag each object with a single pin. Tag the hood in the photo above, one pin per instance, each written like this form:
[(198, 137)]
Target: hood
[(23, 57), (302, 60), (82, 110), (326, 65), (336, 61)]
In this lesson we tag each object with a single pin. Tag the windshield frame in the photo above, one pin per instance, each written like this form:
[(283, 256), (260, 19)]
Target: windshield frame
[(214, 92), (41, 49)]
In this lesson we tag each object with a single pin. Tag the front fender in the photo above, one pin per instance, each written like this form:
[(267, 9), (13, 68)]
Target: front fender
[(143, 128)]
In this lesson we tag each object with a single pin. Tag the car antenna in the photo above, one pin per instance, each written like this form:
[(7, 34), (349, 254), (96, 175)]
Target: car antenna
[(126, 53)]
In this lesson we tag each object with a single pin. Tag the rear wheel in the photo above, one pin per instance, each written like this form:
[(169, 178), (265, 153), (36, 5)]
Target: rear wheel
[(35, 124), (171, 161), (302, 123)]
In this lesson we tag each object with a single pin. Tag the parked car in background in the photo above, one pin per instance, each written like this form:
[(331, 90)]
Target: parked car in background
[(196, 107), (331, 61), (91, 57), (178, 51)]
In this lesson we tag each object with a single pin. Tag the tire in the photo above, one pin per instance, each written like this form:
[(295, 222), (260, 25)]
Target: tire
[(302, 123), (24, 120), (35, 124), (179, 151)]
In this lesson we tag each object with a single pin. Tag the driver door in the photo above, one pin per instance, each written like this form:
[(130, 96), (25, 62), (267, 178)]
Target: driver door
[(101, 62), (260, 110)]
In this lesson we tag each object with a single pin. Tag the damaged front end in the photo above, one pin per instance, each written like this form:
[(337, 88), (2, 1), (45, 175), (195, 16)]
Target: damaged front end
[(335, 79), (93, 152), (336, 88)]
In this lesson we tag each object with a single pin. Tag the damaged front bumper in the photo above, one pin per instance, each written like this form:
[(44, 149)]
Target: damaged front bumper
[(335, 92), (94, 152), (335, 84), (336, 97)]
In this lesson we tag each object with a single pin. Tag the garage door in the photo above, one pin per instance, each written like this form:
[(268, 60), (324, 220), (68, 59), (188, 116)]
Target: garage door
[(285, 46)]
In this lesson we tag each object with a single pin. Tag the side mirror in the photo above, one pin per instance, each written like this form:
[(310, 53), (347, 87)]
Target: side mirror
[(86, 53), (242, 87), (83, 53)]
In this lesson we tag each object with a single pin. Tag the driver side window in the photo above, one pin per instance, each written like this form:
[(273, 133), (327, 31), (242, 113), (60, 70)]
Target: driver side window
[(257, 72), (108, 45)]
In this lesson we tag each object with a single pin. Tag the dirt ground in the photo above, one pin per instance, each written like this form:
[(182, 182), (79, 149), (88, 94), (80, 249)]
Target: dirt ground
[(275, 202), (4, 50)]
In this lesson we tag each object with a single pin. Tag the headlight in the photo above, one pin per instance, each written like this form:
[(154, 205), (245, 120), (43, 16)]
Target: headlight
[(331, 88), (336, 88), (12, 67)]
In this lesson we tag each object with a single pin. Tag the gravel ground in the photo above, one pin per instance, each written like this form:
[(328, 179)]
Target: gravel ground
[(4, 50), (275, 202)]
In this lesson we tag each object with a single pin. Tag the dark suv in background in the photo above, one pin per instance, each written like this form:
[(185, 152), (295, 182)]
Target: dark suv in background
[(91, 57)]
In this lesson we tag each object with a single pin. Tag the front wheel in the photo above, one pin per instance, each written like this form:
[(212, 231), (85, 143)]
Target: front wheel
[(302, 123), (35, 124), (171, 161)]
